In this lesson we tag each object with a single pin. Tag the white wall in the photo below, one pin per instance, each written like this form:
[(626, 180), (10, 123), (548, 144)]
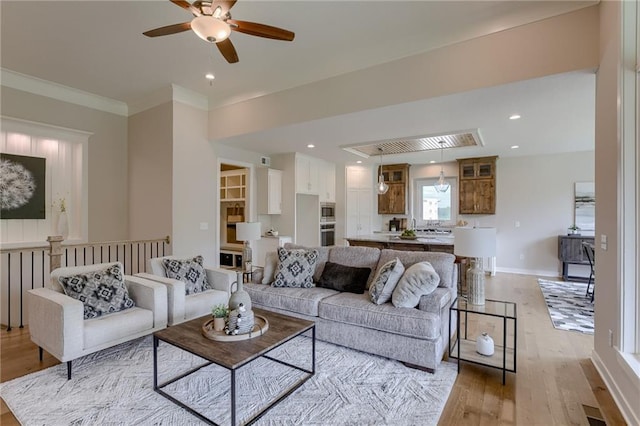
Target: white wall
[(623, 383)]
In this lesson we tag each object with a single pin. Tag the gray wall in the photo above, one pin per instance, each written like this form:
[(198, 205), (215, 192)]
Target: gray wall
[(108, 176)]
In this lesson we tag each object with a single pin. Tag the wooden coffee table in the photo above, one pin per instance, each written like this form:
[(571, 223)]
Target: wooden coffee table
[(233, 355)]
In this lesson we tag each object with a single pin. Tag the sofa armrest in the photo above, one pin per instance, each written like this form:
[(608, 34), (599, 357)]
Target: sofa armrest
[(149, 295), (221, 279), (434, 302), (56, 323), (176, 294)]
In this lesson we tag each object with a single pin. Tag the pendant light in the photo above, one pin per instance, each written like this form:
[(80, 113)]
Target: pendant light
[(382, 187), (442, 185)]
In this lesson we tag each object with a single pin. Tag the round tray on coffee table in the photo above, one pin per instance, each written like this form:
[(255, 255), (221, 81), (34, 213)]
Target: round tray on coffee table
[(260, 326)]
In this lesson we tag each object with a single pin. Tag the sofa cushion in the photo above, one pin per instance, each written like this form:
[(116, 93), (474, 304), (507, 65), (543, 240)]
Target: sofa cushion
[(344, 278), (385, 281), (300, 300), (418, 280), (269, 270), (323, 257), (295, 268), (102, 291), (108, 328), (443, 263), (357, 309), (190, 271), (364, 257)]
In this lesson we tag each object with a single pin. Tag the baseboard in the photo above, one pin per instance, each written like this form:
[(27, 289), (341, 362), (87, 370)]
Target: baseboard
[(623, 405)]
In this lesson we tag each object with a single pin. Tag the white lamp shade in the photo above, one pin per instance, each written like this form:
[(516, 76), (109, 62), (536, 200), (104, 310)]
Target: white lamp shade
[(210, 29), (474, 242), (248, 231)]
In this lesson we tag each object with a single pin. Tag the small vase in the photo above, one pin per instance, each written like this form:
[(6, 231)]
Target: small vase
[(484, 345), (63, 225), (239, 296), (218, 324)]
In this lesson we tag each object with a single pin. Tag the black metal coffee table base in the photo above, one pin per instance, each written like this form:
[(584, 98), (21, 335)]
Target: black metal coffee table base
[(290, 390)]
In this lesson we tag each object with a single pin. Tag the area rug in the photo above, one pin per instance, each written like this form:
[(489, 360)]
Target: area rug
[(115, 387), (568, 306)]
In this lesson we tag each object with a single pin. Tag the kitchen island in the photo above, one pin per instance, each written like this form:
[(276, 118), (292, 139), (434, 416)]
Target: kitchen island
[(439, 243)]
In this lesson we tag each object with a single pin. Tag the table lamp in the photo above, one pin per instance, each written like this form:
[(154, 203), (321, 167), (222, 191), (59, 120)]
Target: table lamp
[(247, 232), (475, 243)]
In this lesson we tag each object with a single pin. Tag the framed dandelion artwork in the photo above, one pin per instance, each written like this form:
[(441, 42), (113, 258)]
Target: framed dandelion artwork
[(22, 191)]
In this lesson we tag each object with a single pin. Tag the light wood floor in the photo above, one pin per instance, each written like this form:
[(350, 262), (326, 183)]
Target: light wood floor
[(554, 378)]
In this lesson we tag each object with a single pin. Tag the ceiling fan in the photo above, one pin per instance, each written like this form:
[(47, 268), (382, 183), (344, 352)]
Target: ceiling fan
[(212, 22)]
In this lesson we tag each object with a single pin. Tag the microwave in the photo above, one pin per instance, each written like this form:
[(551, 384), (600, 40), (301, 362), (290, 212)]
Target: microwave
[(327, 212)]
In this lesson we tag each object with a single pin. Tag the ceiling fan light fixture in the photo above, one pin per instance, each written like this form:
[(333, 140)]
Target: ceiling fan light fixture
[(210, 29)]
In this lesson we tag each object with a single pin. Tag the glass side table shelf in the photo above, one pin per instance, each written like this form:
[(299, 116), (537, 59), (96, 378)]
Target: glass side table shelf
[(463, 348)]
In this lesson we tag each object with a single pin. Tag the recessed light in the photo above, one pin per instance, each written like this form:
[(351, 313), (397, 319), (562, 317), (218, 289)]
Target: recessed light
[(515, 146), (311, 145), (359, 162), (209, 76), (432, 162), (514, 117)]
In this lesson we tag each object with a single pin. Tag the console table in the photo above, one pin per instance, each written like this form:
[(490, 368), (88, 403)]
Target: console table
[(570, 252)]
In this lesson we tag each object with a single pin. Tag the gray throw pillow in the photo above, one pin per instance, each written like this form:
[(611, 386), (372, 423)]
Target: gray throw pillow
[(190, 272), (418, 280), (102, 292), (270, 263), (295, 268), (349, 279), (385, 281)]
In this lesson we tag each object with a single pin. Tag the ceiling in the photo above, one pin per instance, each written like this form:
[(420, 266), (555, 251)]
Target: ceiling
[(98, 47)]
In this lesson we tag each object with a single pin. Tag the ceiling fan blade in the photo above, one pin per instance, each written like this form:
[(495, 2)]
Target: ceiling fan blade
[(183, 4), (169, 29), (186, 5), (261, 30), (228, 51), (226, 5)]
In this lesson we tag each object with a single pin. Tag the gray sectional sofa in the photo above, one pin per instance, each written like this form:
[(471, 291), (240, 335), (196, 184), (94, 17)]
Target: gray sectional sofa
[(416, 336)]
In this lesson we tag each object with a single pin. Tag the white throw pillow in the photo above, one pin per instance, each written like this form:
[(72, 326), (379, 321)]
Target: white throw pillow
[(385, 281), (270, 263), (418, 280)]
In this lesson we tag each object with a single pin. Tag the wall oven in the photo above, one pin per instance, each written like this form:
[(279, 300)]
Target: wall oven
[(328, 212), (327, 234)]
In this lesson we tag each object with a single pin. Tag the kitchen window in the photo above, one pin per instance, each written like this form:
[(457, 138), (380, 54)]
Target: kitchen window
[(432, 207)]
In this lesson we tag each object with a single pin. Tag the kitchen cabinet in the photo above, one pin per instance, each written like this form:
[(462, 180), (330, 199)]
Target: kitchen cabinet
[(477, 191), (327, 181), (359, 211), (307, 169), (233, 185), (269, 191), (395, 199), (359, 177)]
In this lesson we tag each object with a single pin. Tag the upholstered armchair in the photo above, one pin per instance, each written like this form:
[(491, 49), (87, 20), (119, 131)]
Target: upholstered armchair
[(85, 309), (178, 274)]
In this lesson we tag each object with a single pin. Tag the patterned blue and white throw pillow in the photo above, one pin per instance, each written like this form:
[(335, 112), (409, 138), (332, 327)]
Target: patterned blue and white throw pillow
[(190, 272), (385, 281), (295, 268), (102, 292)]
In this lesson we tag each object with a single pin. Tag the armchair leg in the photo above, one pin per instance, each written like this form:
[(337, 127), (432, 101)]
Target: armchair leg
[(68, 370), (40, 353)]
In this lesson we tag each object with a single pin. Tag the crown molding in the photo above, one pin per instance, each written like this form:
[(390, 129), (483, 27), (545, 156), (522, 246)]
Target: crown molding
[(189, 97), (38, 86)]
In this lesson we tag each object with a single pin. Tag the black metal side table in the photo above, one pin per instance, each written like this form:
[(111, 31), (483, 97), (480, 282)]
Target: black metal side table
[(463, 348)]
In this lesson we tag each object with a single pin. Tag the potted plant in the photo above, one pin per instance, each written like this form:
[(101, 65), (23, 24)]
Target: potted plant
[(574, 230), (219, 313)]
